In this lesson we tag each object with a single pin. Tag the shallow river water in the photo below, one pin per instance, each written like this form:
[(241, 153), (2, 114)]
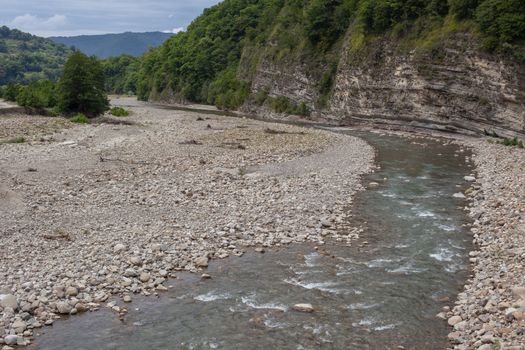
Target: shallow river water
[(379, 295)]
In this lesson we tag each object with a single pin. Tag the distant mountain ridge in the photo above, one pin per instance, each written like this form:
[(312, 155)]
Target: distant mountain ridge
[(110, 45)]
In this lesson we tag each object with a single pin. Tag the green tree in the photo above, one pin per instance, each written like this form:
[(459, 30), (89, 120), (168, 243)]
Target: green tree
[(463, 8), (81, 86), (503, 21)]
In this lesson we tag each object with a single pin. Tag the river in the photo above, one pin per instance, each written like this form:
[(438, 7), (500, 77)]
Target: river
[(382, 292)]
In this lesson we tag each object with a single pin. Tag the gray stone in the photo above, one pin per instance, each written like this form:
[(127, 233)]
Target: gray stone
[(11, 339), (8, 300), (71, 292), (64, 308), (144, 277), (452, 321), (130, 273), (518, 292), (201, 262), (119, 248), (19, 326)]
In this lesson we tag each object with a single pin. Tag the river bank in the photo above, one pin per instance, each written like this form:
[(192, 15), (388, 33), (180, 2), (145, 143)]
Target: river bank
[(104, 210), (489, 314)]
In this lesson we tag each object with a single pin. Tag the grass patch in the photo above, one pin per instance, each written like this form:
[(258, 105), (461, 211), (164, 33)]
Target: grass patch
[(119, 112), (14, 140), (79, 118), (511, 142)]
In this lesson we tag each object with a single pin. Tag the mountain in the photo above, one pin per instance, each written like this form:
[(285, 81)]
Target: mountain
[(456, 65), (110, 45), (25, 57)]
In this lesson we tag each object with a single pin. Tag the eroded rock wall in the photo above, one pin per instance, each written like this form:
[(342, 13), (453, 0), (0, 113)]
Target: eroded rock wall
[(452, 87)]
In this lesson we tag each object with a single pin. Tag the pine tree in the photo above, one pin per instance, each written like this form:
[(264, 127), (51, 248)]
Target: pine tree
[(81, 88)]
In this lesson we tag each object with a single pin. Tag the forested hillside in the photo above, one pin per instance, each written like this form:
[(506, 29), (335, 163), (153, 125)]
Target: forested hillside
[(111, 45), (216, 59), (25, 57)]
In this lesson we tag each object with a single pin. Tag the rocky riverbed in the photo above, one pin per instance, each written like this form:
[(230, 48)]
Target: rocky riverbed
[(95, 214), (490, 313)]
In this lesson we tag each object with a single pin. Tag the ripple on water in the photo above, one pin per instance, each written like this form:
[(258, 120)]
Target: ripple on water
[(212, 296), (445, 227), (406, 269), (322, 286), (443, 254), (424, 213), (362, 306), (270, 323), (251, 302), (381, 262), (309, 259)]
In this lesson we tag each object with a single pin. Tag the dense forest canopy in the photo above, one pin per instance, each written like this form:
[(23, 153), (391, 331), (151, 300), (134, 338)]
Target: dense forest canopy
[(25, 57), (202, 63)]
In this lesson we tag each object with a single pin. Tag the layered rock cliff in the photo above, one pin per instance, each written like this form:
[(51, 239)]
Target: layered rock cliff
[(456, 87)]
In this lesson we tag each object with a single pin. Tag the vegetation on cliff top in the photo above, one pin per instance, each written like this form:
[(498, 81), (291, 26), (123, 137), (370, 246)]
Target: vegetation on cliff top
[(205, 63)]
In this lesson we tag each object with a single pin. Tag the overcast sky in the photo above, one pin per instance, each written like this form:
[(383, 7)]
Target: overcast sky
[(76, 17)]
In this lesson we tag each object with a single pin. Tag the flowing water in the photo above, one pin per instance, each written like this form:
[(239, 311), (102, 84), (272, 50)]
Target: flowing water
[(379, 295)]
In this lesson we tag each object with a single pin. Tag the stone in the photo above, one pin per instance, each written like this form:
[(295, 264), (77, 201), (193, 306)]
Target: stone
[(135, 260), (205, 276), (119, 248), (326, 223), (470, 178), (303, 308), (144, 277), (201, 262), (452, 321), (518, 292), (64, 308), (19, 326), (130, 273), (11, 339), (518, 315), (458, 195), (8, 300), (373, 184), (71, 291), (127, 299), (454, 337)]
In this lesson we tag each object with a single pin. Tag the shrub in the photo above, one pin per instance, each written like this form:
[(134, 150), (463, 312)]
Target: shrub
[(282, 104), (119, 112), (79, 118), (38, 94), (11, 92), (260, 97)]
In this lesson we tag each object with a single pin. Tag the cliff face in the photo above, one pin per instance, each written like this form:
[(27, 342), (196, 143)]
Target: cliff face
[(455, 87)]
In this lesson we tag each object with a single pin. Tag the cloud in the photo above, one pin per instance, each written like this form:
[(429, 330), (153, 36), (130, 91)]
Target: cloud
[(73, 17), (174, 30), (30, 22)]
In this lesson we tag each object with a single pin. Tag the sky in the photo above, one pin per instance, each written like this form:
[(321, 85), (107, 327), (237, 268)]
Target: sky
[(78, 17)]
